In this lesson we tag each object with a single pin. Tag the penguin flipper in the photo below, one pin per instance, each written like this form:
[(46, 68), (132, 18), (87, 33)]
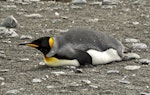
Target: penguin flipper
[(69, 53)]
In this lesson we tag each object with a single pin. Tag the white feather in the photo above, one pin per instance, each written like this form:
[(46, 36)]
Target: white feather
[(104, 57)]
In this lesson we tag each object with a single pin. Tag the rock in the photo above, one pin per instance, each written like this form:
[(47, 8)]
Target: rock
[(144, 93), (78, 70), (93, 20), (58, 73), (50, 87), (144, 61), (15, 91), (132, 40), (74, 84), (2, 54), (135, 23), (133, 67), (93, 86), (4, 70), (9, 22), (78, 1), (96, 3), (86, 81), (24, 59), (124, 81), (42, 63), (24, 37), (1, 79), (113, 72), (2, 83), (108, 6), (36, 80), (139, 46), (34, 15), (4, 32), (110, 2), (76, 7)]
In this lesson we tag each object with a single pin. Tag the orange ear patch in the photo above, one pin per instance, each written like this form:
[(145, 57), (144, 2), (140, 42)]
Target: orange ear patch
[(51, 42)]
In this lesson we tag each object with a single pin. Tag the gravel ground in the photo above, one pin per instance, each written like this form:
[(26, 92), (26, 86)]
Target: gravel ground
[(21, 73)]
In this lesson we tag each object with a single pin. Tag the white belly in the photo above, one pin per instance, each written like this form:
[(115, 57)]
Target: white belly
[(104, 57)]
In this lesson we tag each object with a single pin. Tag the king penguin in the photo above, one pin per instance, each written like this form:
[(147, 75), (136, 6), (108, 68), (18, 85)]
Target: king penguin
[(80, 47)]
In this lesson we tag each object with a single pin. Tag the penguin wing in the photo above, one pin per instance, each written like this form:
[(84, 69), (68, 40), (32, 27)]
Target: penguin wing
[(68, 52)]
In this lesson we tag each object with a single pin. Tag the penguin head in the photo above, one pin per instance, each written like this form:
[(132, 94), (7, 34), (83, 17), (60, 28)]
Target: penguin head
[(43, 44)]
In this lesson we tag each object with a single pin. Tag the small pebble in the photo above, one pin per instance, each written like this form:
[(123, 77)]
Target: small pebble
[(78, 70), (144, 93), (86, 81), (58, 73), (15, 91), (34, 16), (112, 72), (4, 70), (1, 79), (124, 81), (78, 1), (110, 2), (144, 61), (42, 63), (93, 86), (74, 84), (132, 67), (132, 40), (139, 46), (135, 23), (24, 59), (2, 83), (24, 37), (50, 87), (36, 80)]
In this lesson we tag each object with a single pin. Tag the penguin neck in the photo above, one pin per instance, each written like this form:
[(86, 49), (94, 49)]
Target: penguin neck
[(54, 49)]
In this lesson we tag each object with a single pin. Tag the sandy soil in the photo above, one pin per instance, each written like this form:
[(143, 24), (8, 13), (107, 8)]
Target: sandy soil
[(20, 68)]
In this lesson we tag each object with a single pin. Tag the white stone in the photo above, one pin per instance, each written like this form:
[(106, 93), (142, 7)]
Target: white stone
[(15, 91), (50, 87), (139, 46), (132, 40), (144, 61), (132, 67), (86, 81), (58, 73), (42, 63), (33, 15), (1, 78), (78, 1), (124, 81), (135, 23), (110, 2), (23, 37), (36, 80), (112, 72)]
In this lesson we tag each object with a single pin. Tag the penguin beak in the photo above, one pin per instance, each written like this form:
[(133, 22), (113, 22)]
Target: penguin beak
[(30, 44)]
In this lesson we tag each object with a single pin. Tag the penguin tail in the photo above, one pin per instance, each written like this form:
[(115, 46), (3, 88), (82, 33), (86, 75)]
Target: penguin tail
[(130, 56)]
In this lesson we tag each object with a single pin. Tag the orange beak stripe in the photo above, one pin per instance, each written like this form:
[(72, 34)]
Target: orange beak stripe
[(32, 45)]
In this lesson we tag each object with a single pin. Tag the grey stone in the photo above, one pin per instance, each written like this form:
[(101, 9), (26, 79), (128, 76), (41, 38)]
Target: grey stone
[(15, 91), (36, 80), (144, 93), (33, 15), (112, 72), (78, 1), (110, 2), (86, 81), (4, 32), (132, 67), (124, 81), (9, 22), (132, 40), (1, 79), (139, 46), (58, 73), (144, 61), (23, 37), (4, 70)]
